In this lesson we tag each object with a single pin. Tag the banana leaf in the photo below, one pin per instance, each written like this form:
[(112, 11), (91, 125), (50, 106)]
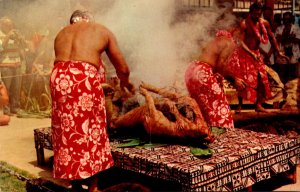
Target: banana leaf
[(199, 152), (129, 143), (217, 130), (153, 145)]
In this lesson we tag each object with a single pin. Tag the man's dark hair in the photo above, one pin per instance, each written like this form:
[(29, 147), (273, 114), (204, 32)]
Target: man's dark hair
[(256, 6), (290, 15), (79, 14)]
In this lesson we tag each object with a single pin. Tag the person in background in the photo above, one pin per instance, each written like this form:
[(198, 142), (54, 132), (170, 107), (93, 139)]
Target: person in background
[(12, 62), (204, 78), (37, 84), (277, 21), (288, 35), (256, 30), (267, 52), (80, 140)]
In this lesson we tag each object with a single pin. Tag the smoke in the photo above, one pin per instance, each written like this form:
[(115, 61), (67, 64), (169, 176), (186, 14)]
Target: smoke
[(143, 30), (157, 41), (158, 38)]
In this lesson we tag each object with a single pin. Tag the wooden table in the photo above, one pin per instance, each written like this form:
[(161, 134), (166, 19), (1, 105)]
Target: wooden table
[(241, 158)]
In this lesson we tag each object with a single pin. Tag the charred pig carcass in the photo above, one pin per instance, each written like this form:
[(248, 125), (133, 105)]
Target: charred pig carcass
[(171, 115)]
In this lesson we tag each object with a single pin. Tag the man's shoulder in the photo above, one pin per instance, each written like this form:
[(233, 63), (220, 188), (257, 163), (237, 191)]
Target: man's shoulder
[(98, 25), (265, 22), (100, 29)]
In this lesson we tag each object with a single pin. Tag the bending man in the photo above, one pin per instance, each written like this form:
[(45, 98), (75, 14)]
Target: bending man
[(80, 140), (204, 78)]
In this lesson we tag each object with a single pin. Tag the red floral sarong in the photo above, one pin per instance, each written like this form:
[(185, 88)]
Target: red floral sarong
[(253, 72), (207, 89), (80, 141)]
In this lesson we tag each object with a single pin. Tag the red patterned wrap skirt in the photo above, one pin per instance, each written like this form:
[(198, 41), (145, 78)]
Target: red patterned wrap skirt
[(252, 71), (80, 141), (207, 89)]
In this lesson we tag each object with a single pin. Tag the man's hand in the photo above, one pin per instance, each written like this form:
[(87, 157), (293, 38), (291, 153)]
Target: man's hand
[(239, 84), (127, 85), (281, 54)]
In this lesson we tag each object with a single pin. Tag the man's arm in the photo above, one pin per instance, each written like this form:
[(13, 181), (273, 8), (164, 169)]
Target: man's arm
[(238, 83), (116, 57), (246, 48), (273, 40)]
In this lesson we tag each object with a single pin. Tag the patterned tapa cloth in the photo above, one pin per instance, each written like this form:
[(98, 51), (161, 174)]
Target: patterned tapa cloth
[(241, 158), (80, 142), (44, 136), (207, 89), (253, 72)]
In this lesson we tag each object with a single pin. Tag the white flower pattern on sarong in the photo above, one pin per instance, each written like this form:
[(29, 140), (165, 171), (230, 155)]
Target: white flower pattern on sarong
[(244, 66), (80, 141), (205, 88), (85, 102), (63, 156), (67, 121)]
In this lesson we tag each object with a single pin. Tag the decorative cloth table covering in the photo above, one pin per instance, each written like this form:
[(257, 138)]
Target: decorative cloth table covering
[(241, 158)]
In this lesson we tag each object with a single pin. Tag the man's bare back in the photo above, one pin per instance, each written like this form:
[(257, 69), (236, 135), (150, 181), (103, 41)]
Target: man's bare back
[(85, 41), (217, 52), (81, 41)]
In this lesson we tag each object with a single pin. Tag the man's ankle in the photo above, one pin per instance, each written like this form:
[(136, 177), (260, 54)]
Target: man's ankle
[(260, 108)]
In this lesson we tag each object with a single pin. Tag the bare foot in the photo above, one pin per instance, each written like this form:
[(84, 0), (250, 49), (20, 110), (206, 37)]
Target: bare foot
[(260, 108), (238, 109)]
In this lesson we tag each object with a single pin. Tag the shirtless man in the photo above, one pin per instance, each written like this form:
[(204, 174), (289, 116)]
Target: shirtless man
[(255, 30), (4, 100), (204, 78), (80, 141)]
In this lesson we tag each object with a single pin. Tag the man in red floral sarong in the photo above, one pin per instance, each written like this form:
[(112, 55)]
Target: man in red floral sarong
[(251, 67), (204, 79), (80, 141)]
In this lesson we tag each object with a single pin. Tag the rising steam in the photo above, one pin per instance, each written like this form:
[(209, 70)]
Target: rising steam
[(157, 43)]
